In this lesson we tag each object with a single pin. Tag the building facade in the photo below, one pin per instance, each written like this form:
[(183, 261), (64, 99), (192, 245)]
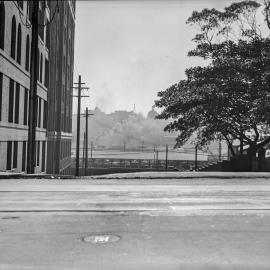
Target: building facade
[(15, 36), (15, 52), (60, 93)]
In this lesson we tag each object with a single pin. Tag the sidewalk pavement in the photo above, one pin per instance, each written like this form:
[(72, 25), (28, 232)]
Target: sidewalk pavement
[(22, 175), (183, 175), (144, 175)]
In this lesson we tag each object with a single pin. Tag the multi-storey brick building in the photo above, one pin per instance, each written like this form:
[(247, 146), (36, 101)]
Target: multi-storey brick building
[(15, 36), (55, 45), (60, 94)]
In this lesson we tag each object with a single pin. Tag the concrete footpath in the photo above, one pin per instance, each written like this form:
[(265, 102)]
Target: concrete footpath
[(20, 175), (184, 175), (145, 175)]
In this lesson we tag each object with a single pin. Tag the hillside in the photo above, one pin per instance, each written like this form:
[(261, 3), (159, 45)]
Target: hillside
[(123, 129)]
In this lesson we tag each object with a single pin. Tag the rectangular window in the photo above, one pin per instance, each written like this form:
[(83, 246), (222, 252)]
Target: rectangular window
[(15, 154), (46, 83), (17, 103), (24, 156), (25, 114), (9, 154), (11, 101), (38, 152), (45, 114), (43, 156), (1, 92), (39, 112)]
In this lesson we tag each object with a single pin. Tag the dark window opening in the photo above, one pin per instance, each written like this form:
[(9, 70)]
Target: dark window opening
[(37, 65), (15, 154), (45, 114), (24, 156), (2, 26), (13, 38), (1, 93), (39, 112), (38, 152), (41, 22), (30, 10), (19, 44), (9, 154), (11, 101), (17, 103), (41, 68), (46, 82), (25, 114), (43, 156), (20, 4), (47, 34), (27, 53)]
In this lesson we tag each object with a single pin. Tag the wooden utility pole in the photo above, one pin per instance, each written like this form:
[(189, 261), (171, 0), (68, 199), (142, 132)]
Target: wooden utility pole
[(78, 127), (166, 165), (196, 157), (86, 140), (31, 149), (83, 159), (80, 88), (86, 115)]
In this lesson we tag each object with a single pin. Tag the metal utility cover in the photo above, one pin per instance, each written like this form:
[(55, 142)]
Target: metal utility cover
[(101, 239)]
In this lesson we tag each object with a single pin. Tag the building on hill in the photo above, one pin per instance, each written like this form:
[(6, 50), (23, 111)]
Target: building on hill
[(54, 80), (152, 114)]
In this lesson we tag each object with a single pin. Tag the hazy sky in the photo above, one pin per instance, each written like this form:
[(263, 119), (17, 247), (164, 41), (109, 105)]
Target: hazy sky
[(127, 51)]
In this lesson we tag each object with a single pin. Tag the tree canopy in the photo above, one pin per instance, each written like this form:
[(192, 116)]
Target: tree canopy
[(229, 96)]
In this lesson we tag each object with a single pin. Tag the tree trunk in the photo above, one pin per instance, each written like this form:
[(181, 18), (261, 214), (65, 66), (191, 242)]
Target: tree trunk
[(253, 164), (261, 160), (241, 143)]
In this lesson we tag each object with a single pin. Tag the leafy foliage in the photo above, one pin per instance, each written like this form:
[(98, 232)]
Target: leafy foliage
[(230, 96)]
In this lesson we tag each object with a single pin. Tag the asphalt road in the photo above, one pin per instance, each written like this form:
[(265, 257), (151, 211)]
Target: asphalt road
[(135, 224)]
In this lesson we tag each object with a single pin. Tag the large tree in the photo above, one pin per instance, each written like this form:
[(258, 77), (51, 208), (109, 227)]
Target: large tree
[(230, 95)]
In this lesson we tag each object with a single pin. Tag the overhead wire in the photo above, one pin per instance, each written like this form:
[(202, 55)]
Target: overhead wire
[(26, 24), (29, 25)]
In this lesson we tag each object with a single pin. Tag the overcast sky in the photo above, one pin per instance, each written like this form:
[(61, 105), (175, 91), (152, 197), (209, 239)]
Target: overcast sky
[(127, 51)]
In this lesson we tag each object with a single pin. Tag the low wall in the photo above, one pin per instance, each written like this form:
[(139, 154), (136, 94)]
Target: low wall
[(101, 171)]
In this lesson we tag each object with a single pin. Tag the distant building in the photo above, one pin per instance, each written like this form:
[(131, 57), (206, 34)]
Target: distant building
[(55, 73), (152, 114)]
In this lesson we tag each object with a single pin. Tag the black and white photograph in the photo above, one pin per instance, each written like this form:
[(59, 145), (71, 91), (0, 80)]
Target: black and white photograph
[(135, 135)]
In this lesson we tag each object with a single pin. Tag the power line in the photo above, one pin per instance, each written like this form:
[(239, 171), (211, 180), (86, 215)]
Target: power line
[(29, 25), (26, 24)]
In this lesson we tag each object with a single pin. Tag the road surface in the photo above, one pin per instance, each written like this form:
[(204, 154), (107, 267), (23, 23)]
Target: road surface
[(133, 224)]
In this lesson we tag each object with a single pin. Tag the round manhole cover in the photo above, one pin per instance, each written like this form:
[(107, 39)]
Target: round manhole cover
[(101, 239)]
